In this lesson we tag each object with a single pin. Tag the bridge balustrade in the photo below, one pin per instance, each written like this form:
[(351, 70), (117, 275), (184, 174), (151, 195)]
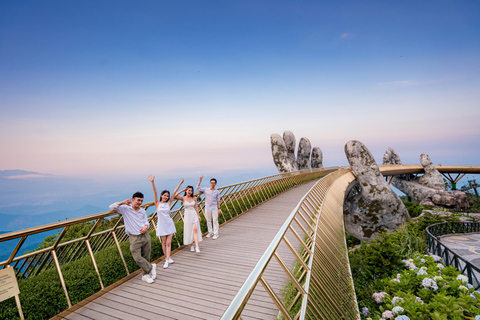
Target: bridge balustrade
[(106, 230), (321, 279)]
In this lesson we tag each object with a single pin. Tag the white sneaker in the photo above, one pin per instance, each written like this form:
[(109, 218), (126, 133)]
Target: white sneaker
[(192, 248), (165, 265), (215, 237), (197, 249), (153, 272), (209, 235), (147, 278), (170, 260)]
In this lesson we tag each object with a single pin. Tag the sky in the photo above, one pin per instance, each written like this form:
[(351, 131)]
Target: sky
[(115, 90)]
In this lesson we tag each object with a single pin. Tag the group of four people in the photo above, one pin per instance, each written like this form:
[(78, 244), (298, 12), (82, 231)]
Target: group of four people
[(136, 222)]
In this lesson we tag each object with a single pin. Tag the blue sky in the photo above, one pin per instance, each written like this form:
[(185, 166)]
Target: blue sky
[(110, 89)]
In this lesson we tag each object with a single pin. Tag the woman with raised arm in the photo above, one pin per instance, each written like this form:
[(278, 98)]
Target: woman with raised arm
[(191, 218), (165, 224)]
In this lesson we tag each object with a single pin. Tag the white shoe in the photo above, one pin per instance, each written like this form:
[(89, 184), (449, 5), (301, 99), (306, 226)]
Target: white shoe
[(209, 235), (197, 249), (153, 272), (147, 278), (192, 248), (215, 237), (165, 265), (170, 260)]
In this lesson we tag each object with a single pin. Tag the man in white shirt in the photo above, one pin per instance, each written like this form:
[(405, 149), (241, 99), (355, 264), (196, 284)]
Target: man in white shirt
[(136, 227), (212, 206)]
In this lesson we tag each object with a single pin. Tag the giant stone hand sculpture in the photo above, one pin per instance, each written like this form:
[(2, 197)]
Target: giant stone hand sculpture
[(428, 189), (375, 208), (283, 152)]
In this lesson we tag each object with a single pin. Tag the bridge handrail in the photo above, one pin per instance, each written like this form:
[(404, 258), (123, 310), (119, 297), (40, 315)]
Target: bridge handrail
[(236, 199), (321, 211), (450, 257)]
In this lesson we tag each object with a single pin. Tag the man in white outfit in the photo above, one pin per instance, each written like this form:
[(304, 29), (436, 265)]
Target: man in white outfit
[(212, 206)]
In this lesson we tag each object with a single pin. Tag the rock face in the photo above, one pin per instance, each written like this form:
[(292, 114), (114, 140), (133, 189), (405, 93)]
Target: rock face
[(375, 208), (428, 189), (446, 199), (283, 152)]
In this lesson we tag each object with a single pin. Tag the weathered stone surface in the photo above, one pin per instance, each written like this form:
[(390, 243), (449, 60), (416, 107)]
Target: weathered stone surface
[(283, 153), (446, 199), (428, 189), (376, 207), (317, 158), (280, 154), (303, 154)]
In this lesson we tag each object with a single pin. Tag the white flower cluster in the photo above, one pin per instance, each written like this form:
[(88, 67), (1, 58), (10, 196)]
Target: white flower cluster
[(428, 283)]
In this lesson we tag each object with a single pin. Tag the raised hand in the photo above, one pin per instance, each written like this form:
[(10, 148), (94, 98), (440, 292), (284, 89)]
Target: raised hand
[(283, 152), (151, 178), (375, 207)]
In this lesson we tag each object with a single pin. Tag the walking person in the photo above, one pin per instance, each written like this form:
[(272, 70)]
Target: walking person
[(212, 207), (165, 224), (136, 227), (191, 219)]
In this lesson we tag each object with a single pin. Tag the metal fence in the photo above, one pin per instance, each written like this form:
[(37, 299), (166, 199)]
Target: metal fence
[(322, 282), (104, 230), (450, 258)]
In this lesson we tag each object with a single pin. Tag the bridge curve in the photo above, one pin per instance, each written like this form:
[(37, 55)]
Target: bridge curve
[(239, 197)]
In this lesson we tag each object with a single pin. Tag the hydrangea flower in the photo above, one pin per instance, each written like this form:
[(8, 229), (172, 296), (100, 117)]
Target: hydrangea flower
[(423, 260), (395, 299), (422, 272), (477, 318), (428, 283), (365, 311), (463, 288), (395, 280), (440, 266), (397, 310), (378, 296), (437, 278), (469, 286), (399, 276), (387, 314), (413, 266), (417, 299), (462, 278), (436, 258), (402, 318)]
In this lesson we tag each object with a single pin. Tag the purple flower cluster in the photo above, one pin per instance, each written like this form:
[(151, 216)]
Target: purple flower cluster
[(378, 296)]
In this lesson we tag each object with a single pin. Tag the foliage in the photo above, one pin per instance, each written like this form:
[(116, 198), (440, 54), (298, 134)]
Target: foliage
[(424, 289), (414, 209)]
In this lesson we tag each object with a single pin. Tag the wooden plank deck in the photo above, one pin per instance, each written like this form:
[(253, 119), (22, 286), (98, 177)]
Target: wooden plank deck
[(202, 285)]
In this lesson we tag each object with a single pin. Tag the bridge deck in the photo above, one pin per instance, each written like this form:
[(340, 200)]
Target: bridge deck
[(201, 285)]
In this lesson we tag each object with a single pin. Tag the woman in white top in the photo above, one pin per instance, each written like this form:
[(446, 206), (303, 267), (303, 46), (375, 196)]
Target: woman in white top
[(165, 224), (191, 218)]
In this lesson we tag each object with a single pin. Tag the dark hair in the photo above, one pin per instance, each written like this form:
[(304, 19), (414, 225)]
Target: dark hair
[(163, 192), (193, 190), (137, 195), (213, 180)]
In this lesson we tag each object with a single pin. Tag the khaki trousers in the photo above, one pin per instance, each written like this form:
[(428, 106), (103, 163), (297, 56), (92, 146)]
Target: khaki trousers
[(140, 247)]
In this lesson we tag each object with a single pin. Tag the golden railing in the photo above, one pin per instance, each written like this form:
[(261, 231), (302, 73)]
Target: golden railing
[(322, 282), (236, 199)]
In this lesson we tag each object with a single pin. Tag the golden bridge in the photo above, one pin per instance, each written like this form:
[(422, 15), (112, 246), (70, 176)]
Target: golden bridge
[(280, 231)]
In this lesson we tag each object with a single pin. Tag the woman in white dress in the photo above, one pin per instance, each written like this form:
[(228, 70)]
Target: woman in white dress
[(191, 219), (165, 224)]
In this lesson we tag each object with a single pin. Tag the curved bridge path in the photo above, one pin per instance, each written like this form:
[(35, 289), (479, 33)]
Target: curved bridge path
[(202, 285)]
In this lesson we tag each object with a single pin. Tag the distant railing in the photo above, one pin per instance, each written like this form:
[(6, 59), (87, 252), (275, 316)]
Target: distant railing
[(235, 199), (322, 280), (450, 258)]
